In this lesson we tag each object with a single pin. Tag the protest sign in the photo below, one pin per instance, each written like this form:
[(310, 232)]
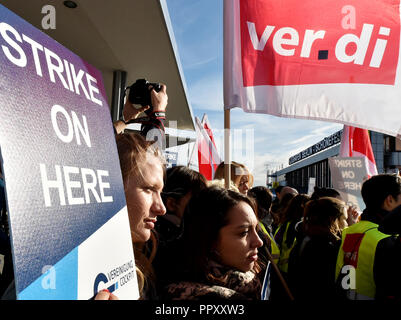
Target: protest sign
[(266, 284), (347, 176), (324, 60), (65, 197)]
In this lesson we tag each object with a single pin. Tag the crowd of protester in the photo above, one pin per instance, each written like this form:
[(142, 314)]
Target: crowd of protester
[(195, 239)]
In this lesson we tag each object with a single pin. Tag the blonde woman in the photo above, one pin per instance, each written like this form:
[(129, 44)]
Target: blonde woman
[(240, 176), (143, 170)]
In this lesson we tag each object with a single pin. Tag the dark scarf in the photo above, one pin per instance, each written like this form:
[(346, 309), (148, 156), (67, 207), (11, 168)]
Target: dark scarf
[(375, 216), (222, 284), (391, 224)]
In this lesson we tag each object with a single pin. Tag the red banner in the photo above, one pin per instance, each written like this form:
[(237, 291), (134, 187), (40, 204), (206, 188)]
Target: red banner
[(296, 42)]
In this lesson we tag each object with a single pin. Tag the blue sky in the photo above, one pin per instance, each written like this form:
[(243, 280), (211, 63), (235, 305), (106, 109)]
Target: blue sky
[(198, 31)]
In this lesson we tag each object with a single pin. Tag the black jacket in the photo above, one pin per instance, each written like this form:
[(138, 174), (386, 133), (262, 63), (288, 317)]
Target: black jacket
[(388, 258), (311, 267)]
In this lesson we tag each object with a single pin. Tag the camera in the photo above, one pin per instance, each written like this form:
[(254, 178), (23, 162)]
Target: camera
[(139, 93)]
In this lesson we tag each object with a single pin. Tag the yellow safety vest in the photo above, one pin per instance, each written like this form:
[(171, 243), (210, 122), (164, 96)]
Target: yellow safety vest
[(358, 248), (274, 247), (285, 250)]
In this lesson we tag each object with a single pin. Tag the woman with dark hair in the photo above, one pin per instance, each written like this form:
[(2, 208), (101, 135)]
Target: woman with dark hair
[(286, 238), (312, 262), (263, 198), (278, 211), (181, 183), (219, 249), (285, 235)]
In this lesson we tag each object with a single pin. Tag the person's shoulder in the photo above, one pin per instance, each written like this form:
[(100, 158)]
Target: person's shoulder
[(319, 246), (387, 254), (390, 243)]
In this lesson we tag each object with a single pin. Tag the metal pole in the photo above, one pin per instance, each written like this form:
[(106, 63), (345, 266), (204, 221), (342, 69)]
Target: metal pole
[(277, 270), (227, 138), (117, 99)]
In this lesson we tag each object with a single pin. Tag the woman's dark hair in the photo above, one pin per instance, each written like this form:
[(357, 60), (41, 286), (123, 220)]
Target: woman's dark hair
[(324, 192), (295, 208), (291, 214), (206, 213), (264, 198), (180, 180), (278, 189)]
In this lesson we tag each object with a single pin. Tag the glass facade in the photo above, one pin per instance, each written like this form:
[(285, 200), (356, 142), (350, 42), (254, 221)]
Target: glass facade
[(387, 152), (299, 179), (380, 143)]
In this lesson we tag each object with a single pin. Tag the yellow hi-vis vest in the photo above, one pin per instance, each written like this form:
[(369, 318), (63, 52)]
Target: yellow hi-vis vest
[(274, 247), (358, 248), (285, 250)]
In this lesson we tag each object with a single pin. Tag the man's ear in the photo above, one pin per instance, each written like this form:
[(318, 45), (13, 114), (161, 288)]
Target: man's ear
[(389, 203), (171, 204)]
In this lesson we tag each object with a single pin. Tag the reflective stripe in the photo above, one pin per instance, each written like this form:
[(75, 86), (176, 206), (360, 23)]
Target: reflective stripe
[(285, 251), (275, 250), (278, 228)]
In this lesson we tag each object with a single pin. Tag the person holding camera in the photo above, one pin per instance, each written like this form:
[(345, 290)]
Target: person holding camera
[(153, 99)]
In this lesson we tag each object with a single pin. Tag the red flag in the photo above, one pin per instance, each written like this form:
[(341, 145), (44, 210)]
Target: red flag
[(355, 142), (208, 156), (324, 60), (206, 125)]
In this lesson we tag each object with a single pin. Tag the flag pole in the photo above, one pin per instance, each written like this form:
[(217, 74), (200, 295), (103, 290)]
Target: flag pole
[(227, 160)]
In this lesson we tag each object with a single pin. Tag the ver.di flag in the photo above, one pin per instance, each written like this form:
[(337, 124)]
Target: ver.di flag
[(355, 142), (325, 60)]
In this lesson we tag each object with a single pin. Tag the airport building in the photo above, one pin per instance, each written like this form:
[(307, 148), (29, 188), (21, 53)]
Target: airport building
[(313, 161)]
